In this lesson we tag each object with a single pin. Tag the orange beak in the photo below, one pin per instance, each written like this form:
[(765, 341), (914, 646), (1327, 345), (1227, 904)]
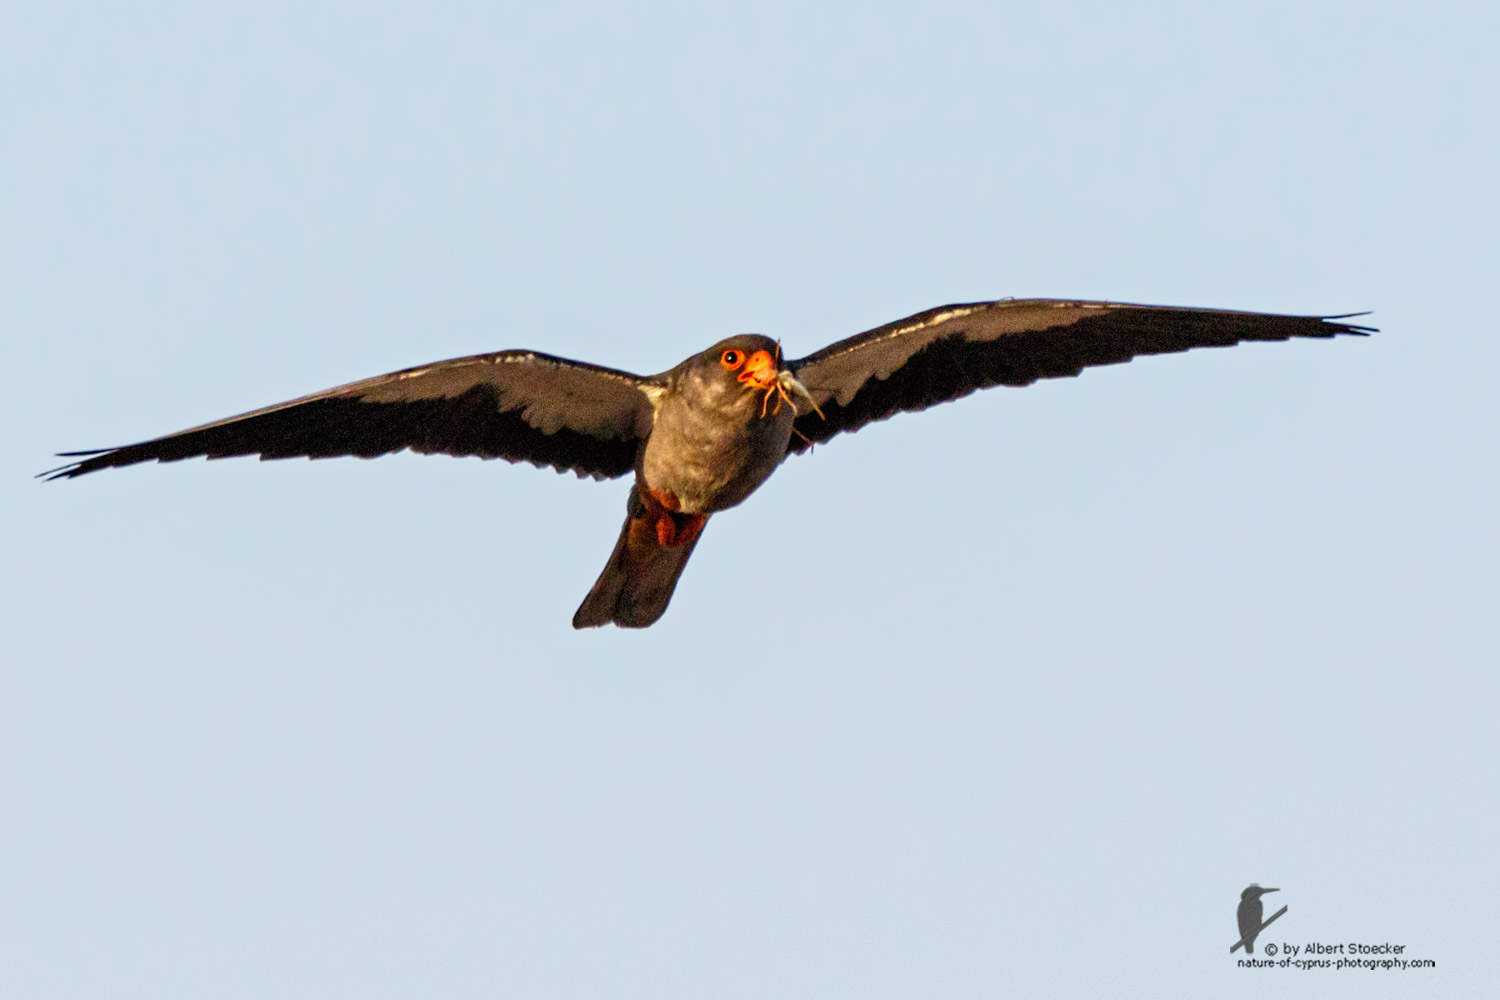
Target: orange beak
[(760, 370)]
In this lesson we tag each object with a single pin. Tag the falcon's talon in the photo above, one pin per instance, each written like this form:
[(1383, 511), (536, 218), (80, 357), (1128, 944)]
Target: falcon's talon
[(666, 531)]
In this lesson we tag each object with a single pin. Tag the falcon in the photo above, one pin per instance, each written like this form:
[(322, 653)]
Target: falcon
[(704, 435)]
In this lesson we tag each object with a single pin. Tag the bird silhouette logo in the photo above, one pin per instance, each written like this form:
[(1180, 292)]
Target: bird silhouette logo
[(1249, 914)]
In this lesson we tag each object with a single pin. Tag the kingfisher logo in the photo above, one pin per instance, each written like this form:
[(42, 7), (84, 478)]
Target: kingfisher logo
[(1249, 914), (1279, 953)]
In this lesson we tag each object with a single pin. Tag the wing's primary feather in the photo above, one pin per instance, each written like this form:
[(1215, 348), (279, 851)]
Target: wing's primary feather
[(515, 405), (948, 352)]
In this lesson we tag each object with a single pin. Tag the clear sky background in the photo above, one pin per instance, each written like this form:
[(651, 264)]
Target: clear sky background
[(1009, 698)]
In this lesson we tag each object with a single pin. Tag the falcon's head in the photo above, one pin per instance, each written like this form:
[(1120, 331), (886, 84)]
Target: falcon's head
[(754, 362)]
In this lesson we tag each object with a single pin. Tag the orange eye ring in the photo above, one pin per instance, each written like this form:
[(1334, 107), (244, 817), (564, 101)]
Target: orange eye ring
[(732, 359)]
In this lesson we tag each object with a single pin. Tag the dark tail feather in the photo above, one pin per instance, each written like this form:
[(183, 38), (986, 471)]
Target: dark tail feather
[(638, 581)]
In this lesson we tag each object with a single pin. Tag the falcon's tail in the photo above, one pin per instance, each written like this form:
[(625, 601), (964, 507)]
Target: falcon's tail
[(637, 582)]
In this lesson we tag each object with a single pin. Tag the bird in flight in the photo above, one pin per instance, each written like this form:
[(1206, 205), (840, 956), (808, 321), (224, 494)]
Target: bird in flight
[(703, 436)]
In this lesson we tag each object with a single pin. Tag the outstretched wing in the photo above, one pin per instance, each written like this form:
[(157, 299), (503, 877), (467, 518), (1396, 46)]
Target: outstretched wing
[(948, 352), (515, 405)]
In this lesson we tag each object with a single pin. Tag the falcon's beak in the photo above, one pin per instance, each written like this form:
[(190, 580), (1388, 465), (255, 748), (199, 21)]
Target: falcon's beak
[(760, 370), (764, 372)]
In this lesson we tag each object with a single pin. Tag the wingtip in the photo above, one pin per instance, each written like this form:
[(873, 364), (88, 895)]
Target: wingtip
[(1357, 329), (61, 472), (71, 469)]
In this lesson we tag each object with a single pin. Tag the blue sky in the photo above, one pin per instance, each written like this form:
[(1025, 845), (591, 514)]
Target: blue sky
[(1011, 697)]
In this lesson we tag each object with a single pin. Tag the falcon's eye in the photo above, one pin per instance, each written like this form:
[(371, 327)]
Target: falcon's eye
[(732, 359)]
